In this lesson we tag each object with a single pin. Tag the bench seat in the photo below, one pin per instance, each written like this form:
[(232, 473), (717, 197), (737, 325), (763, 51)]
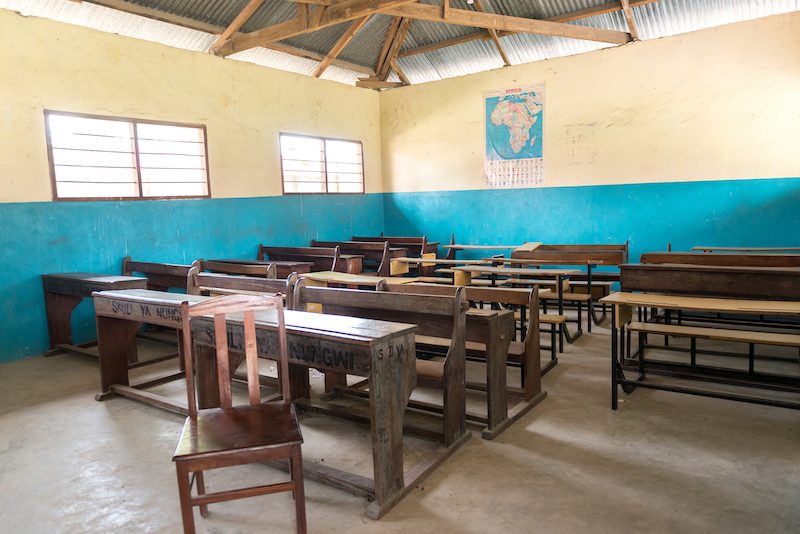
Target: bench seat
[(717, 334), (568, 297), (516, 349), (431, 369)]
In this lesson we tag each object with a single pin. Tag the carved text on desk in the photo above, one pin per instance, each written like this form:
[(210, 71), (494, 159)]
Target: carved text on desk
[(324, 354), (137, 311)]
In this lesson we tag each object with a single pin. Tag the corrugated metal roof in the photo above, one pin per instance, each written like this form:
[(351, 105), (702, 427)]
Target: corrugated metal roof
[(654, 20)]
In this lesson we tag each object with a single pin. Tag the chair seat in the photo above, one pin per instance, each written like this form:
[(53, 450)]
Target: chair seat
[(242, 427)]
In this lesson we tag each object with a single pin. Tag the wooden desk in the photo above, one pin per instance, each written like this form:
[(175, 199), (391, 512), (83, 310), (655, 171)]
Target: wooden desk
[(384, 352), (355, 346), (331, 277), (284, 268), (624, 303), (64, 291)]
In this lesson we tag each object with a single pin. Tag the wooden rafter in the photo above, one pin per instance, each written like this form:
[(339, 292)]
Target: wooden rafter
[(462, 17), (163, 16), (334, 14), (628, 12), (445, 9), (340, 45), (237, 23), (493, 34), (602, 9), (400, 73), (387, 42), (397, 42)]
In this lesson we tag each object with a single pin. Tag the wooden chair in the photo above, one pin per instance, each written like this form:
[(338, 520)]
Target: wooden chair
[(228, 436)]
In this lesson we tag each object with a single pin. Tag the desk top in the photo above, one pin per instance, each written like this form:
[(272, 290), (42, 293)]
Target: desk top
[(523, 261), (489, 269), (436, 261), (321, 325), (354, 279), (675, 302), (481, 247), (94, 278), (265, 262)]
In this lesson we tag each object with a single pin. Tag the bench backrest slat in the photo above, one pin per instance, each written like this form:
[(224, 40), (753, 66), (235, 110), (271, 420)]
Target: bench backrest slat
[(734, 260), (200, 282), (324, 258), (160, 276), (263, 271)]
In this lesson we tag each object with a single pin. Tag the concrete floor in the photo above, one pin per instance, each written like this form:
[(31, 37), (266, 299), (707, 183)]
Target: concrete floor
[(663, 463)]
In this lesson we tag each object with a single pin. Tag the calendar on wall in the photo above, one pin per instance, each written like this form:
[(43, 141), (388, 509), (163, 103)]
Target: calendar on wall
[(514, 138)]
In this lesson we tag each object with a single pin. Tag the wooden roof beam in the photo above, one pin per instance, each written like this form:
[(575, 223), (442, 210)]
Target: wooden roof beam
[(387, 42), (371, 83), (237, 23), (602, 9), (397, 42), (337, 48), (493, 34), (628, 12), (336, 13), (462, 17)]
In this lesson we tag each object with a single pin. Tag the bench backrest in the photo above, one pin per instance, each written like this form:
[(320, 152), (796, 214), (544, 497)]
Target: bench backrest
[(377, 252), (735, 260), (160, 276), (492, 295), (262, 271), (610, 254), (439, 316), (324, 258), (202, 282), (416, 245), (771, 283)]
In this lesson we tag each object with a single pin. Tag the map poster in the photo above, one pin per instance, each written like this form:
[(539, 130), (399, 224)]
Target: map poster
[(514, 138)]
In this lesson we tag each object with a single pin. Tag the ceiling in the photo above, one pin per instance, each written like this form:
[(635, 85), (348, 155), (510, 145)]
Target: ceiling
[(390, 49)]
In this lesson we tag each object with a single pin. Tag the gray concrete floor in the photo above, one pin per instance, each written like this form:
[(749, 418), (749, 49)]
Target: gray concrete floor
[(663, 462)]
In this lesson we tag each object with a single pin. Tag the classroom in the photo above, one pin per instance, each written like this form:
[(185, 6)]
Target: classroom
[(400, 266)]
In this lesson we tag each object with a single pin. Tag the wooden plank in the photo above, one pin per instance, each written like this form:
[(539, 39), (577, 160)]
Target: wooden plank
[(462, 17), (394, 48), (335, 14), (677, 302), (529, 246), (368, 83), (593, 11), (481, 247), (340, 45), (718, 334), (732, 259), (493, 34), (628, 12), (400, 73), (243, 16), (747, 249)]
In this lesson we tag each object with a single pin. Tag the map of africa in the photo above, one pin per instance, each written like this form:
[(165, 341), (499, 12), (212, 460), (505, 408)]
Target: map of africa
[(514, 126)]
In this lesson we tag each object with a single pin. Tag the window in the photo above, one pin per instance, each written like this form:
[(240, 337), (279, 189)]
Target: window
[(320, 165), (112, 158)]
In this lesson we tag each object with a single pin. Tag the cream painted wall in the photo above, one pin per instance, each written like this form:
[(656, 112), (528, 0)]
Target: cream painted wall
[(722, 103), (50, 65)]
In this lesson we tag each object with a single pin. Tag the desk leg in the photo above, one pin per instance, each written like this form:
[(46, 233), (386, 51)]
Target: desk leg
[(392, 379), (59, 317), (116, 341), (590, 317), (614, 392)]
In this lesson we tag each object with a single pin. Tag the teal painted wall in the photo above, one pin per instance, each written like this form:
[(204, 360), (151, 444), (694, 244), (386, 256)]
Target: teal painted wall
[(48, 237), (763, 212)]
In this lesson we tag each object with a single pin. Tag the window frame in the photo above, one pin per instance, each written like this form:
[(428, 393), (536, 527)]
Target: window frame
[(323, 139), (134, 122)]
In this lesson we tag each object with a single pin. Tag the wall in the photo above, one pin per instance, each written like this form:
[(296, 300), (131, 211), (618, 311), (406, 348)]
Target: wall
[(49, 65), (698, 131)]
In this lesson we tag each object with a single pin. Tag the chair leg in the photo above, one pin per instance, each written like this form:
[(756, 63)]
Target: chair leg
[(185, 494), (201, 490), (299, 491)]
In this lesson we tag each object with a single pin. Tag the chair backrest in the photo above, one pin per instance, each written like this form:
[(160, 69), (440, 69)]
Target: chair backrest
[(160, 276), (220, 308), (439, 316), (246, 269)]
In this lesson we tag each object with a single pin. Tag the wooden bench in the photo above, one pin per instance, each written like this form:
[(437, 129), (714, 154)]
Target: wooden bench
[(434, 316), (751, 338), (160, 276), (379, 254), (417, 246), (202, 283), (524, 353), (265, 270), (324, 259)]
